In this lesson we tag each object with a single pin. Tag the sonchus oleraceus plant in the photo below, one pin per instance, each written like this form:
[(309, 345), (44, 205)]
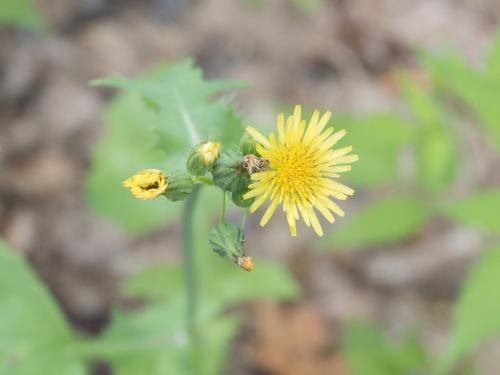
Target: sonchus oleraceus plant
[(296, 169)]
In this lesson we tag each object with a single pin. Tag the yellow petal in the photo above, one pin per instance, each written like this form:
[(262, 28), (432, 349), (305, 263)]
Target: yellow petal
[(258, 136), (269, 212)]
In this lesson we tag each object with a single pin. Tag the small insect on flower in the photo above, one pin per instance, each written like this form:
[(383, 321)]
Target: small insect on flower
[(147, 184), (301, 172)]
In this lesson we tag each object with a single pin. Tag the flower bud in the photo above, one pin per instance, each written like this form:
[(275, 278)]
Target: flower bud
[(202, 158), (147, 184), (226, 239), (180, 185), (248, 144), (228, 173), (238, 200)]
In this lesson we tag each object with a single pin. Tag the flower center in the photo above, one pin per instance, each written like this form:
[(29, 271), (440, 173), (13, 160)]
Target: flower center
[(297, 172)]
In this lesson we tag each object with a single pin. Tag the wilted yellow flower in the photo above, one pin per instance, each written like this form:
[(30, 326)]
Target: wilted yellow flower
[(246, 263), (209, 152), (302, 166), (147, 184)]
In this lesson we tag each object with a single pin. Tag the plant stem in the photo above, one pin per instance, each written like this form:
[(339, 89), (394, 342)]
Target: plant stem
[(203, 180), (244, 217), (189, 262), (223, 207)]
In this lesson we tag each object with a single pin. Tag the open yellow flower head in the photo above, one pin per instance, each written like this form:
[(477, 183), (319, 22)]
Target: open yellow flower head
[(302, 169), (147, 184), (209, 152)]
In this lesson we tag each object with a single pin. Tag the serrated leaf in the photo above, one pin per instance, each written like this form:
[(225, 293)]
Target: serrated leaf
[(476, 315), (186, 114), (20, 13), (379, 152), (480, 210), (368, 352), (34, 335), (384, 222)]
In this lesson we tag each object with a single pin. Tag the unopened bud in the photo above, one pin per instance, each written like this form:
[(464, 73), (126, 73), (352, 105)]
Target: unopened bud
[(202, 158), (248, 144), (180, 186), (228, 173), (227, 239)]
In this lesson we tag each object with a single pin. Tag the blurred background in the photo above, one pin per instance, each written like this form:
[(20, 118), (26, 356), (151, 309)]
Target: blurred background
[(415, 82)]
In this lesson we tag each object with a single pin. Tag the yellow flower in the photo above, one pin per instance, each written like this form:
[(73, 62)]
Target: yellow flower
[(209, 152), (147, 184), (302, 168)]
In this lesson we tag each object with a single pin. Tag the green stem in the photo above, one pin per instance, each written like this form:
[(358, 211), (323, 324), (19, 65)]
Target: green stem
[(244, 217), (223, 207), (203, 180), (189, 261)]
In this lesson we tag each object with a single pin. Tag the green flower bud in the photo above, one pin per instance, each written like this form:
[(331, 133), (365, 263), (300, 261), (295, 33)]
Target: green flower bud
[(180, 185), (228, 173), (248, 144), (202, 158), (238, 200), (227, 240)]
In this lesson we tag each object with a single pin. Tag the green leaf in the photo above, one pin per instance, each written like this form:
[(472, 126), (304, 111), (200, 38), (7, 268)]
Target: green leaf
[(385, 222), (437, 157), (20, 13), (476, 315), (437, 152), (34, 334), (478, 210), (479, 90), (378, 152), (185, 113), (493, 58), (306, 5), (368, 352), (152, 127)]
